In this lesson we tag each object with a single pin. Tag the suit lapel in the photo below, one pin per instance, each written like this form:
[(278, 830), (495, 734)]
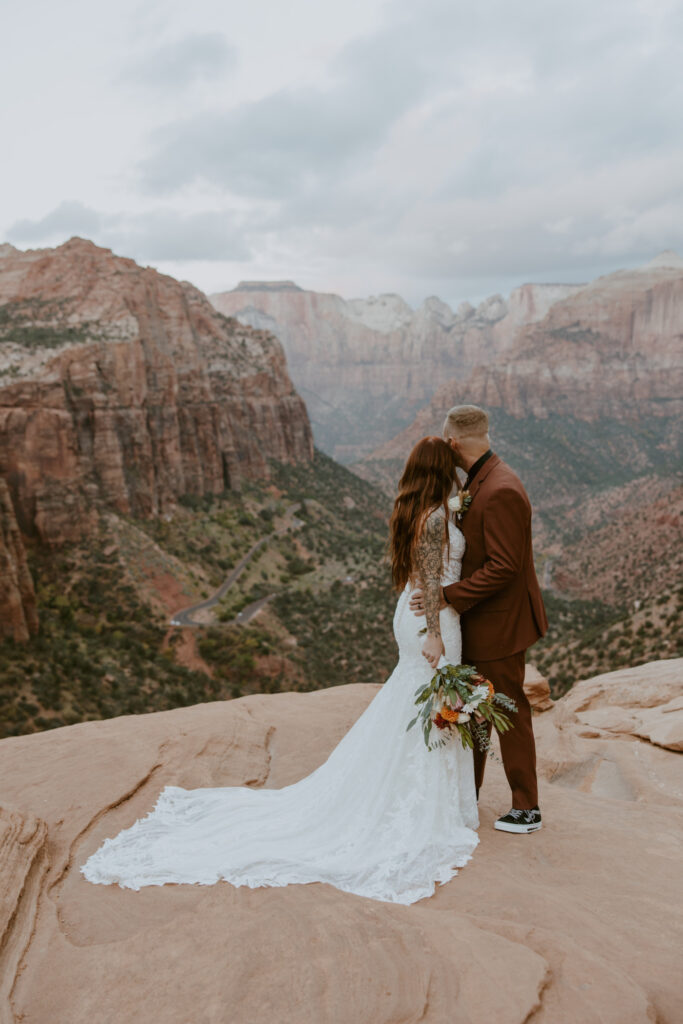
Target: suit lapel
[(483, 473)]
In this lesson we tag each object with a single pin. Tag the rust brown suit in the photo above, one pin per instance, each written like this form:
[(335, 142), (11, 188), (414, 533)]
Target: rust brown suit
[(501, 609)]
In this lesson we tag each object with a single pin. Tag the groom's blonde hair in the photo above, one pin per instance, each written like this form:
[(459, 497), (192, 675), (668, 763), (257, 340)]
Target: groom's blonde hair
[(466, 421)]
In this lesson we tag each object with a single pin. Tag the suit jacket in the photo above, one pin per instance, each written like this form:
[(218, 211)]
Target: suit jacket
[(498, 596)]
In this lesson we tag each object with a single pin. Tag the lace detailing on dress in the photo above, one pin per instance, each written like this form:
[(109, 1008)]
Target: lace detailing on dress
[(383, 817)]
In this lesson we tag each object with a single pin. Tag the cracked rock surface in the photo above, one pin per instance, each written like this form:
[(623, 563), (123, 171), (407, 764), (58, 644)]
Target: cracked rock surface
[(578, 922)]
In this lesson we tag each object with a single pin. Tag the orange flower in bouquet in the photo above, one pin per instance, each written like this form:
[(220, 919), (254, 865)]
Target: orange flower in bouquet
[(450, 714)]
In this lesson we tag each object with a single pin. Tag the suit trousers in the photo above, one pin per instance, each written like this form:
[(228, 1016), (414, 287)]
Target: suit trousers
[(517, 745)]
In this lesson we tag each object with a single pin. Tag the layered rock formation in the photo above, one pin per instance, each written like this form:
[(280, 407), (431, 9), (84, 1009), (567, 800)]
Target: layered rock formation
[(123, 386), (364, 366), (18, 614), (578, 922), (646, 701), (589, 394), (537, 689)]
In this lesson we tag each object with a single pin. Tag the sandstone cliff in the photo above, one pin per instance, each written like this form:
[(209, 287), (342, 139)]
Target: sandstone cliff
[(122, 386), (365, 366), (590, 394), (578, 922), (18, 614)]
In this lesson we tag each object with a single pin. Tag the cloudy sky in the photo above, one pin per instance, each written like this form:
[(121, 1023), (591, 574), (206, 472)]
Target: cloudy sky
[(441, 147)]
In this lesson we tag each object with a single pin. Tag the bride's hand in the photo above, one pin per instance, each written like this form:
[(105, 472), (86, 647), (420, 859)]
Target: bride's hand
[(432, 649), (417, 604)]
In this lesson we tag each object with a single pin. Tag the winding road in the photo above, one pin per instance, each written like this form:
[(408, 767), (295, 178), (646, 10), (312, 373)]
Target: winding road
[(184, 617)]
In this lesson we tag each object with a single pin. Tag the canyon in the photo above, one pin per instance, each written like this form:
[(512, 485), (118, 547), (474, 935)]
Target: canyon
[(147, 441), (366, 366), (587, 396), (126, 395), (123, 388), (586, 405), (583, 383)]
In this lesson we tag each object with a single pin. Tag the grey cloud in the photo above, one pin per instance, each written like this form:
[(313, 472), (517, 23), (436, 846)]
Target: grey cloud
[(160, 234), (290, 141), (548, 120), (69, 218), (455, 145), (200, 56), (169, 235), (586, 91)]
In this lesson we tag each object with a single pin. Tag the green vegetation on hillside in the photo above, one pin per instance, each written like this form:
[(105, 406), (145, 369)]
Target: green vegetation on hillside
[(586, 638), (561, 458), (567, 465), (103, 650), (40, 323), (340, 610), (98, 652)]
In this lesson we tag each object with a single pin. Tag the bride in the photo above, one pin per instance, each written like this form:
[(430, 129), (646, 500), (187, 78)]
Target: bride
[(383, 817)]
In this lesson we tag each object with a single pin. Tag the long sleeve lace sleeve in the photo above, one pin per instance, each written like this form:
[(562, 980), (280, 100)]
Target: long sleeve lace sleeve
[(429, 559)]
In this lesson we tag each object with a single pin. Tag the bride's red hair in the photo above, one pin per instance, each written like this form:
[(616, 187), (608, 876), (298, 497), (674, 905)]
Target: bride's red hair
[(426, 483)]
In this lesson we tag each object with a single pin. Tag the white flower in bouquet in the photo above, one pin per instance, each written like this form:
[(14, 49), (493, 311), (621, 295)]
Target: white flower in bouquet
[(459, 503)]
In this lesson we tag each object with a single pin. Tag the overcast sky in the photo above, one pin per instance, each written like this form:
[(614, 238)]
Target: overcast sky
[(425, 147)]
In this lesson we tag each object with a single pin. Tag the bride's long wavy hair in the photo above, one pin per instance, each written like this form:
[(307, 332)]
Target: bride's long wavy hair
[(426, 484)]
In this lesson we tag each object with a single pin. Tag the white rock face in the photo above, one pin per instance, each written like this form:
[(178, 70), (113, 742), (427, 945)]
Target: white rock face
[(384, 313), (364, 366), (492, 309), (530, 302), (367, 367), (668, 258), (440, 312), (607, 350)]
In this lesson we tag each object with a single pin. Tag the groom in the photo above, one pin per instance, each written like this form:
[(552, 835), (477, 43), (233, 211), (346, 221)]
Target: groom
[(499, 600)]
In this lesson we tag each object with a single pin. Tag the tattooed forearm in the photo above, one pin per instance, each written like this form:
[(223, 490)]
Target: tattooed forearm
[(429, 557)]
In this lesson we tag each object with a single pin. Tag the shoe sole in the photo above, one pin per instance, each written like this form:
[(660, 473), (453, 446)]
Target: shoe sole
[(503, 826)]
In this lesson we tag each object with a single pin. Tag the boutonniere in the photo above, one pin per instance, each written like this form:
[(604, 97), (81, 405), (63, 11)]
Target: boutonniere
[(460, 503)]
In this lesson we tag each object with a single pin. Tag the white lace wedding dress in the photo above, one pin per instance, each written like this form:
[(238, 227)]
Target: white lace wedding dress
[(383, 817)]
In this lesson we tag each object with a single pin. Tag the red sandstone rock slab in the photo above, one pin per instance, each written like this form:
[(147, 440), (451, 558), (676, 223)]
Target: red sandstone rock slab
[(578, 922), (537, 689)]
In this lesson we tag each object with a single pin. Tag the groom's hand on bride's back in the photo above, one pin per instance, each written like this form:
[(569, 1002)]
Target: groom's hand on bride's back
[(417, 605)]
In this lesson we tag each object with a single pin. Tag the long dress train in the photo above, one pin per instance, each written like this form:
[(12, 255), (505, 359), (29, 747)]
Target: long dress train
[(382, 817)]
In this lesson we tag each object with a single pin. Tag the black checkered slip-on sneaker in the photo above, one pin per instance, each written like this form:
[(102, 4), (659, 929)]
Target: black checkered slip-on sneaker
[(520, 820)]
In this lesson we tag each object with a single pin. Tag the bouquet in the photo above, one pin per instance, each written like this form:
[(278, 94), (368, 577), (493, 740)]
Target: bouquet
[(460, 700)]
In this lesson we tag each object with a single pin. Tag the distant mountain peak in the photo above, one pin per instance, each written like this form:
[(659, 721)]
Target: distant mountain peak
[(668, 258), (267, 286)]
